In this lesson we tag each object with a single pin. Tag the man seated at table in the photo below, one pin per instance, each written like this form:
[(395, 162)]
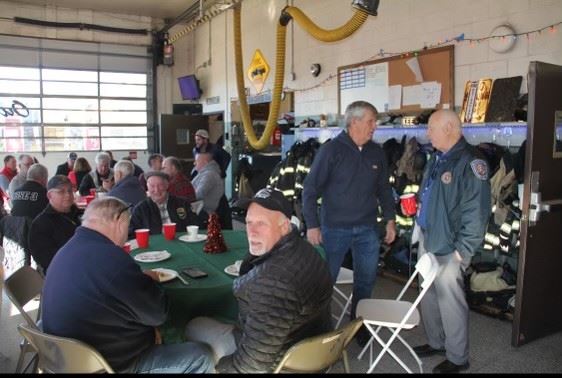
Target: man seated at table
[(52, 228), (162, 207), (284, 293), (96, 293), (31, 198), (127, 187), (179, 184), (208, 184), (100, 178)]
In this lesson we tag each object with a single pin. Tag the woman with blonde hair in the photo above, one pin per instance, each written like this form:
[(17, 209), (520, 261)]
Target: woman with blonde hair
[(81, 169)]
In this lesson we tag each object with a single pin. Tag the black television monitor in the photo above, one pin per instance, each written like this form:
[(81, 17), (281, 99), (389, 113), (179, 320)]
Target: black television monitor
[(189, 87)]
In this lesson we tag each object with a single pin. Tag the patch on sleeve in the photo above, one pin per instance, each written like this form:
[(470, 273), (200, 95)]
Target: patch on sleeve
[(480, 169)]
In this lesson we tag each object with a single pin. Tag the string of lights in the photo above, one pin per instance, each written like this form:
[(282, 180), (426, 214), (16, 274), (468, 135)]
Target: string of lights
[(458, 39)]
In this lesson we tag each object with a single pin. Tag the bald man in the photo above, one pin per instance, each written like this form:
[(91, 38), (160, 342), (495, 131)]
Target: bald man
[(454, 210)]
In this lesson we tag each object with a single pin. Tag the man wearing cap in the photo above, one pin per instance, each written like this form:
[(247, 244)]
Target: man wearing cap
[(203, 144), (65, 168), (55, 225), (161, 207), (283, 291)]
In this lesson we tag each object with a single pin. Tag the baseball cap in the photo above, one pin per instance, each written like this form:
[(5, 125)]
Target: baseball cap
[(57, 181), (72, 156), (271, 199), (202, 133)]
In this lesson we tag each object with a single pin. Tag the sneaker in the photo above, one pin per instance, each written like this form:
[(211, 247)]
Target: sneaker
[(447, 367), (426, 350)]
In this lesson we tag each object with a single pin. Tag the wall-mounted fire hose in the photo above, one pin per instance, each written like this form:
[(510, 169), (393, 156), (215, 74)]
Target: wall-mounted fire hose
[(364, 8)]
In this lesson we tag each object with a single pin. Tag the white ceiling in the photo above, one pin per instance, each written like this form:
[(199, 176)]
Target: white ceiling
[(153, 8)]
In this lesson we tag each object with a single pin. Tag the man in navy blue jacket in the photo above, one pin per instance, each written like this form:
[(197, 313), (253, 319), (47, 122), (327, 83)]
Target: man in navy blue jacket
[(96, 293), (350, 174), (127, 187)]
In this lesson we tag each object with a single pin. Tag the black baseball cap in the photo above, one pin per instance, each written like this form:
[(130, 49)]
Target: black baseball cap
[(72, 156), (271, 199), (160, 174), (58, 181)]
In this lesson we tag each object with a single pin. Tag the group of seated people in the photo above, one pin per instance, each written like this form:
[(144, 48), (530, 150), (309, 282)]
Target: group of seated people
[(49, 214)]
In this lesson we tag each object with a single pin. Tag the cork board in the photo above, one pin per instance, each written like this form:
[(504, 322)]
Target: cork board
[(436, 65)]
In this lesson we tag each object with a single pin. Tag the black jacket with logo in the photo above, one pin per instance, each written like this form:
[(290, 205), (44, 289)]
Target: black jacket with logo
[(29, 200)]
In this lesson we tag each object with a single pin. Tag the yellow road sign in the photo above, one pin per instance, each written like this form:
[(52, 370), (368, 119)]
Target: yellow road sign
[(258, 71)]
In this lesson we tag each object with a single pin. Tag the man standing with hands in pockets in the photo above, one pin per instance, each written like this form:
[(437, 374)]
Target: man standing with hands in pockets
[(350, 174), (453, 215)]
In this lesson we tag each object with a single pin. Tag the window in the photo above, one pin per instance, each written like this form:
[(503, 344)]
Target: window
[(62, 108)]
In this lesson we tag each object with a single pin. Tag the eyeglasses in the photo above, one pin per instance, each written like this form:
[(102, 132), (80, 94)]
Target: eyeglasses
[(123, 210), (63, 191)]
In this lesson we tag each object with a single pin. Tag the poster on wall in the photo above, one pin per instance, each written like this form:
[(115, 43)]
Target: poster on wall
[(366, 83)]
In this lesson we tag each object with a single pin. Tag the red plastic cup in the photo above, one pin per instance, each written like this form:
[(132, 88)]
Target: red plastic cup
[(93, 192), (408, 204), (127, 247), (89, 199), (142, 237), (169, 231)]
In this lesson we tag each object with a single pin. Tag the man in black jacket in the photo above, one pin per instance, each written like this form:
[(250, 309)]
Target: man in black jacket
[(68, 165), (31, 198), (161, 207), (56, 223), (284, 293)]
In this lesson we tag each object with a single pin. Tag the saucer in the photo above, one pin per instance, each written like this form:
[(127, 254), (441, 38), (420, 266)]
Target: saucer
[(197, 239)]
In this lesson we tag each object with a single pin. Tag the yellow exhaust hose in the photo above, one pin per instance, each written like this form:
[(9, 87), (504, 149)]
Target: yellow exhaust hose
[(321, 34)]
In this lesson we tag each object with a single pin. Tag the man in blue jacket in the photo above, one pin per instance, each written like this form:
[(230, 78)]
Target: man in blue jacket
[(127, 187), (350, 174), (454, 210), (96, 293)]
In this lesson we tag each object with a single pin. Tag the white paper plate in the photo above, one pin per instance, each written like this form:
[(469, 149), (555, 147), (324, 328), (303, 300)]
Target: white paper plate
[(154, 256), (234, 269), (199, 238), (165, 275)]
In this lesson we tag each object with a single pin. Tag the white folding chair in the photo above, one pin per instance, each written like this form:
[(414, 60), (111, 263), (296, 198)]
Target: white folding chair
[(396, 314), (345, 277)]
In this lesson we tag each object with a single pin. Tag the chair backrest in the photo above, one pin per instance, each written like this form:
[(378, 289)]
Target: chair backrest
[(427, 266), (22, 286), (64, 355), (317, 353)]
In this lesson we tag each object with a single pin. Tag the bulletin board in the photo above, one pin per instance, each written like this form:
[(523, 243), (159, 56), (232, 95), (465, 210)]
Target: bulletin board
[(381, 81)]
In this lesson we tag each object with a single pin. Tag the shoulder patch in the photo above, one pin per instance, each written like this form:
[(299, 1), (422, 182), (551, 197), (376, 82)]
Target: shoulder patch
[(480, 169)]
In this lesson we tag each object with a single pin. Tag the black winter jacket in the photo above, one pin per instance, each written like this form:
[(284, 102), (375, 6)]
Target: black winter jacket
[(49, 232), (147, 215), (283, 297)]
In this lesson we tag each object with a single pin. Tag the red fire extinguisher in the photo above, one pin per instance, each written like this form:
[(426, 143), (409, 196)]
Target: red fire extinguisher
[(276, 137), (168, 53)]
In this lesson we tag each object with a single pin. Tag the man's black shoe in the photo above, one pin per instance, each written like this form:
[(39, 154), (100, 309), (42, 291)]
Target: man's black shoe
[(447, 367), (362, 336), (426, 350)]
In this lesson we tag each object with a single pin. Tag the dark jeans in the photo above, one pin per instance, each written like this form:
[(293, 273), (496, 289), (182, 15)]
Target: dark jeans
[(364, 242)]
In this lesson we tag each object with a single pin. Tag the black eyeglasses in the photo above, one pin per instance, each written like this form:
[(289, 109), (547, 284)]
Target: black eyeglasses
[(123, 210)]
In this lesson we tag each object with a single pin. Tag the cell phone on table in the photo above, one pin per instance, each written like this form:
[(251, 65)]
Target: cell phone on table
[(193, 272)]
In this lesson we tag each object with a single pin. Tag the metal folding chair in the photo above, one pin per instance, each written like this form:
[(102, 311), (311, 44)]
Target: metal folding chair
[(345, 277), (23, 286), (318, 353), (396, 314), (64, 355)]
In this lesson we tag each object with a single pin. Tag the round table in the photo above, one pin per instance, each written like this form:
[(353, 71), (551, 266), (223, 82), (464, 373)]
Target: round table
[(208, 296)]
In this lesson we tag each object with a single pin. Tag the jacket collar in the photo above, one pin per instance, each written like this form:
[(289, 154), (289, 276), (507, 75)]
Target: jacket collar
[(344, 138), (455, 151)]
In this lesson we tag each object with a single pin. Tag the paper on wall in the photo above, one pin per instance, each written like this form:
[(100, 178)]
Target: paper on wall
[(411, 95), (430, 94), (394, 97)]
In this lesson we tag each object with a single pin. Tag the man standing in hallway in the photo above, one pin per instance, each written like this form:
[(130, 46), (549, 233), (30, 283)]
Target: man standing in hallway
[(350, 174), (451, 222)]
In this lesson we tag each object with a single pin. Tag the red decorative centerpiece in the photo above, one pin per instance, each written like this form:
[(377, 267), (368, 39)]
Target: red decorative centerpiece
[(215, 241)]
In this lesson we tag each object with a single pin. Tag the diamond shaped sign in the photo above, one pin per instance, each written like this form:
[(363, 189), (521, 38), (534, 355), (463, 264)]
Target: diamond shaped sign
[(258, 71)]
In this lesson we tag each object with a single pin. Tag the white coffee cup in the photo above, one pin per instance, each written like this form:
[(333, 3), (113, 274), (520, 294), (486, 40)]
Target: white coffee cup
[(192, 231)]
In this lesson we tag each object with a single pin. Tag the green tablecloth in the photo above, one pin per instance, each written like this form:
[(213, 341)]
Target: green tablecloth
[(208, 296)]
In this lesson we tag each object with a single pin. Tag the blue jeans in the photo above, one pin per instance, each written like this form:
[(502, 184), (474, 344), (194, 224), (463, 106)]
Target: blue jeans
[(181, 358), (364, 242)]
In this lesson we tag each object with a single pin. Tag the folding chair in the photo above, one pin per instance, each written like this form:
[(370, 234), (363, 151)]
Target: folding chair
[(62, 354), (23, 286), (318, 353), (396, 314), (345, 277)]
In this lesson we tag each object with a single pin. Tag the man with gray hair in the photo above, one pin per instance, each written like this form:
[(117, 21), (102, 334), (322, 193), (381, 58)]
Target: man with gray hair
[(31, 198), (208, 184), (127, 187), (96, 293), (24, 162), (100, 178), (350, 173)]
